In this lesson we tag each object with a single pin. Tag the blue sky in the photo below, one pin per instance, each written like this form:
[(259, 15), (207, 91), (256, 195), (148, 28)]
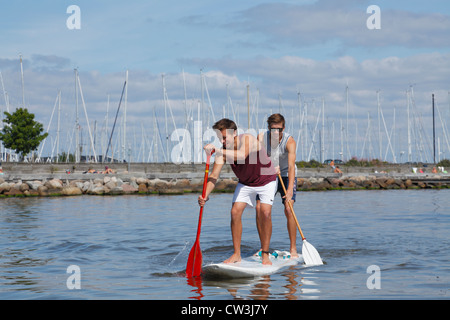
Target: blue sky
[(278, 48)]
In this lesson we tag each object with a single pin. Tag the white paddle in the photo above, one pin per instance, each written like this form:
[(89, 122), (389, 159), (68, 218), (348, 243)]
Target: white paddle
[(310, 254)]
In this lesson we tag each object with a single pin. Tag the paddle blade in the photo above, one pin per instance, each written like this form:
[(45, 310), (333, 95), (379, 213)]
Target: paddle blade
[(195, 260), (310, 254)]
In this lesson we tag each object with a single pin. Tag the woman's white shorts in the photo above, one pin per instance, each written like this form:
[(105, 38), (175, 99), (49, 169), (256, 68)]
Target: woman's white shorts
[(247, 194)]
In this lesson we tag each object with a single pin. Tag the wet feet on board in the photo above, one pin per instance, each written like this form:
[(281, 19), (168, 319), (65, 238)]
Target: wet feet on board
[(265, 258), (233, 259)]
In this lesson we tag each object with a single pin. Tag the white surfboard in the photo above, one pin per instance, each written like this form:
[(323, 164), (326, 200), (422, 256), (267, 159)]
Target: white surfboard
[(250, 267)]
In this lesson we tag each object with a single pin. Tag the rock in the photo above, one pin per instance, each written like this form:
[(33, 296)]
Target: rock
[(421, 184), (142, 181), (306, 185), (119, 182), (86, 186), (34, 185), (160, 184), (24, 187), (127, 188), (13, 192), (182, 183), (110, 185), (16, 185), (226, 185), (71, 191), (31, 192), (5, 187), (369, 184), (42, 191), (399, 184), (381, 182), (358, 179), (116, 190), (390, 183), (98, 190), (348, 184), (333, 182), (143, 188), (54, 184), (134, 184)]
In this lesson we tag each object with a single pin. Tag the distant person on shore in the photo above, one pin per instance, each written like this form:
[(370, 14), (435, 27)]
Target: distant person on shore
[(333, 167), (281, 148), (337, 170), (107, 170)]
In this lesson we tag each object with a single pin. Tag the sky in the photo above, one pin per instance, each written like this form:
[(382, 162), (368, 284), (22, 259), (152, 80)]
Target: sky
[(293, 57)]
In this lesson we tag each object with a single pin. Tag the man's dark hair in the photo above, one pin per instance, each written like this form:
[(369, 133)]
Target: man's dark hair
[(225, 124)]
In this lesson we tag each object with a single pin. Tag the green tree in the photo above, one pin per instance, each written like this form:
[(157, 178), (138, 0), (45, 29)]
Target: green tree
[(21, 133)]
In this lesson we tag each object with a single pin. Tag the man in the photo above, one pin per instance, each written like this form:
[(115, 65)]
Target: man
[(281, 148), (256, 175)]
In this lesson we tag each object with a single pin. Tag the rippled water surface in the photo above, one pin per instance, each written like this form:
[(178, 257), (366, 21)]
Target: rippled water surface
[(136, 247)]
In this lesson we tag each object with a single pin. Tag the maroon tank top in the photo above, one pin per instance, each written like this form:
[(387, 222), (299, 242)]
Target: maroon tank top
[(256, 171)]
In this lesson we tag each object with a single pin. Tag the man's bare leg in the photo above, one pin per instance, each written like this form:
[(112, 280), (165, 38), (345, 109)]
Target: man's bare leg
[(264, 225), (292, 230), (236, 231)]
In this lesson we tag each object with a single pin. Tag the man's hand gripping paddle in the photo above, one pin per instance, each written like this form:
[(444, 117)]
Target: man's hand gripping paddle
[(195, 259)]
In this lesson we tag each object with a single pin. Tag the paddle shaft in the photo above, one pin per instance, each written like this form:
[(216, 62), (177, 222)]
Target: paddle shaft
[(290, 206), (194, 263), (205, 182)]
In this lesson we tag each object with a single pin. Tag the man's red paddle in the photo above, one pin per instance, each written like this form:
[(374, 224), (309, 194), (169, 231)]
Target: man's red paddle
[(194, 263)]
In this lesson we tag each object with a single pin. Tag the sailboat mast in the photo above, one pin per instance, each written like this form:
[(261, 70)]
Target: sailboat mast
[(58, 130), (409, 128), (125, 119), (23, 82), (77, 122), (379, 124), (434, 132)]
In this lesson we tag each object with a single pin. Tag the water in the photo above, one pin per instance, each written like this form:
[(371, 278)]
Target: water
[(136, 247)]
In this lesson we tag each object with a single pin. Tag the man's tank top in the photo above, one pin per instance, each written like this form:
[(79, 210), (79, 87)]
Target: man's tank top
[(278, 155), (256, 171)]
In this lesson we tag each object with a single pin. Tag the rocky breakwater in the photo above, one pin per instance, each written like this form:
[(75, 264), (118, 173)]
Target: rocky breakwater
[(373, 182), (126, 184), (107, 185)]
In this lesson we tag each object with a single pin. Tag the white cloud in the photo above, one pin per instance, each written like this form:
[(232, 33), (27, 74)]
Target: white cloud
[(320, 23)]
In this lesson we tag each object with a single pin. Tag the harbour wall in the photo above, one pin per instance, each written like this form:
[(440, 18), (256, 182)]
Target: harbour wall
[(21, 179)]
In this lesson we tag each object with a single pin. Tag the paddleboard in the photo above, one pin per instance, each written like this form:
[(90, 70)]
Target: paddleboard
[(250, 267)]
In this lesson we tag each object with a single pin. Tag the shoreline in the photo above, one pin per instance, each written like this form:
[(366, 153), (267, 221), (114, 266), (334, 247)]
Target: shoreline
[(177, 183)]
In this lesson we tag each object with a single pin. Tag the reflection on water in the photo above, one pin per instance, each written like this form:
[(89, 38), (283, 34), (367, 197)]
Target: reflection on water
[(136, 247)]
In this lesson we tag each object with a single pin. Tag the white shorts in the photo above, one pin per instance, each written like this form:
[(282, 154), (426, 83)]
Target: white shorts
[(247, 194)]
